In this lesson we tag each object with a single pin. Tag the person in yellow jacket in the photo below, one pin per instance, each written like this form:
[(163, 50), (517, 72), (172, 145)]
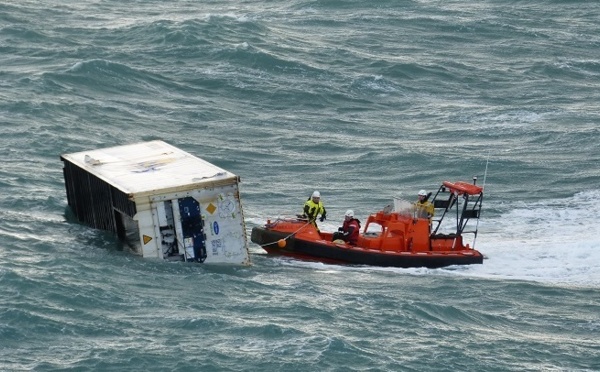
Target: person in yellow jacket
[(423, 207), (313, 208)]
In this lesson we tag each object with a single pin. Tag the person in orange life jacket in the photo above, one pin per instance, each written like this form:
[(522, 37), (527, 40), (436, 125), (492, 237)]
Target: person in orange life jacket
[(350, 230), (423, 207), (313, 208)]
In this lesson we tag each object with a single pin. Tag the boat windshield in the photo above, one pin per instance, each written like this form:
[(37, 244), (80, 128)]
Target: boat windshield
[(403, 206)]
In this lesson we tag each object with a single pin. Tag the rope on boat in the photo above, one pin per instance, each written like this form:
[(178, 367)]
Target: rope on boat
[(287, 237)]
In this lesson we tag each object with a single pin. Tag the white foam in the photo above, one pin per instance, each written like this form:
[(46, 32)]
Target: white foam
[(553, 241)]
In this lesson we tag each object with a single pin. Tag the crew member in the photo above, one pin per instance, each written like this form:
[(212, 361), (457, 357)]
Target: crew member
[(350, 230), (313, 208), (423, 207)]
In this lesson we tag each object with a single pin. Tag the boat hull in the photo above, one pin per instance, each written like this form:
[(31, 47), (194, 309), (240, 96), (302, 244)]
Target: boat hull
[(281, 243)]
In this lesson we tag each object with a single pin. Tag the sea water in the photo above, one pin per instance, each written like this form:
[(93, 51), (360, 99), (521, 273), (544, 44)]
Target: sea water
[(363, 101)]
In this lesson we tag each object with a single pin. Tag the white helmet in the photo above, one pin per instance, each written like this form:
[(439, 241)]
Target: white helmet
[(316, 194), (349, 213), (422, 193)]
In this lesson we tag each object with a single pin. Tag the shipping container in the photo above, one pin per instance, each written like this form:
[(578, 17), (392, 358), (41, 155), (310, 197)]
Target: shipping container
[(162, 201)]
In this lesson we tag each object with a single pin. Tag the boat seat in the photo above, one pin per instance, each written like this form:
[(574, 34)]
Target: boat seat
[(367, 241), (441, 204)]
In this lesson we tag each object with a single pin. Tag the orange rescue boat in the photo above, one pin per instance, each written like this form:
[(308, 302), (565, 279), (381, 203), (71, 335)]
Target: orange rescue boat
[(394, 236)]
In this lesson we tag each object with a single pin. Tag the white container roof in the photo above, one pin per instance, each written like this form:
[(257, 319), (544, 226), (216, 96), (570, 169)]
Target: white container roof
[(150, 167)]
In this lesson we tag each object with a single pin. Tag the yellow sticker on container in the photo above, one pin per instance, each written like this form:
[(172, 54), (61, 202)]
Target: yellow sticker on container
[(146, 239), (211, 208)]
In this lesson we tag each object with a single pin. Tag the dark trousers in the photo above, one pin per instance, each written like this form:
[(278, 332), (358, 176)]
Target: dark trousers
[(339, 235)]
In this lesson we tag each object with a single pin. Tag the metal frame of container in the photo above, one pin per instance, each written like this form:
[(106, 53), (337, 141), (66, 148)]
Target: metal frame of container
[(163, 201)]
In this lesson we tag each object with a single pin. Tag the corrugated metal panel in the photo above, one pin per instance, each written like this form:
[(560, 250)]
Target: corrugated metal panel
[(121, 202), (92, 200), (150, 168)]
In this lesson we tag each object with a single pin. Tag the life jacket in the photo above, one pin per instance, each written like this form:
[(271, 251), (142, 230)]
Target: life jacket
[(312, 209), (424, 209), (354, 225)]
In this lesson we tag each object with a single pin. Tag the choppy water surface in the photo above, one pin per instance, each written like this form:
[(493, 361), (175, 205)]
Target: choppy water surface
[(362, 101)]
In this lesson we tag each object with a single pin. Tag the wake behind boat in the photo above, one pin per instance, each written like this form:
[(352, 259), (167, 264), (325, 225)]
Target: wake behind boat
[(395, 236)]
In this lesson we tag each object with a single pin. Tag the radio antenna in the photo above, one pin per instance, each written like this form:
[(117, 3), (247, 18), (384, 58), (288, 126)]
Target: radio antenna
[(486, 169)]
